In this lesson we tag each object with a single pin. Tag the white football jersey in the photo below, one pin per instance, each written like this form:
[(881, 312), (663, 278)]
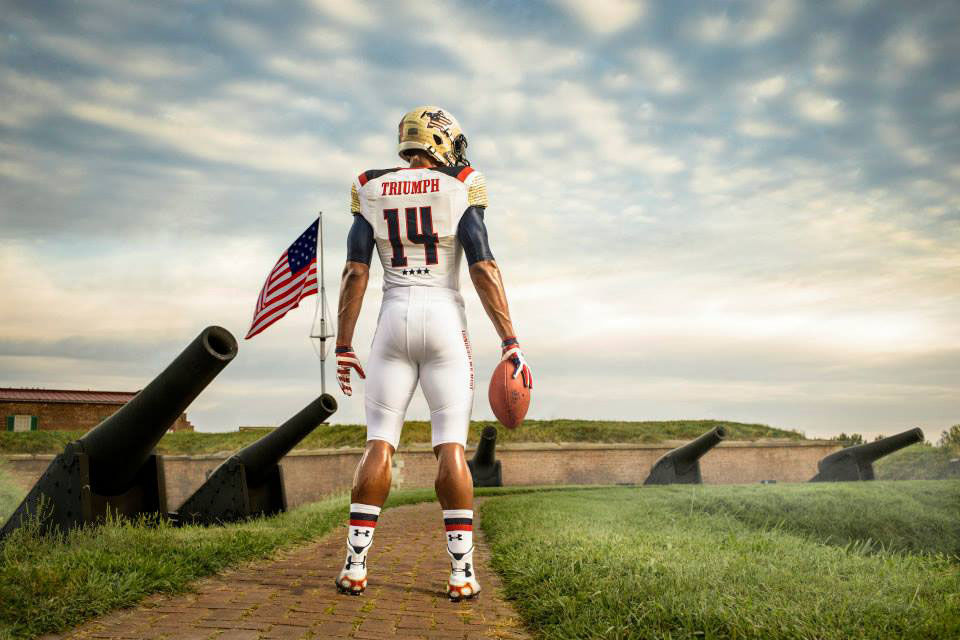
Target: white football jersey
[(415, 214)]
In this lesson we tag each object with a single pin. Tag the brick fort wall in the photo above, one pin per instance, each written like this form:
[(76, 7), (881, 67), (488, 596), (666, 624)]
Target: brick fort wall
[(71, 416), (310, 475)]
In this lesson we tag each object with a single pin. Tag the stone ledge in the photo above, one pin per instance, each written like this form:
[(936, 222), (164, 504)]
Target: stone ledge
[(513, 446)]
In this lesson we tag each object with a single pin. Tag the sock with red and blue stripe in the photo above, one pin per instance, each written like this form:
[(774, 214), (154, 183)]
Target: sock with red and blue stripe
[(363, 520), (459, 531)]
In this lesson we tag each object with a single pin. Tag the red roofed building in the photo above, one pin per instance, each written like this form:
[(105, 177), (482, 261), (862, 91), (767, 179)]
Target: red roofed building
[(64, 409)]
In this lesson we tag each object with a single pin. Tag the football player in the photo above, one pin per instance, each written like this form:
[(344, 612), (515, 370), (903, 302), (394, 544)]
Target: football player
[(421, 219)]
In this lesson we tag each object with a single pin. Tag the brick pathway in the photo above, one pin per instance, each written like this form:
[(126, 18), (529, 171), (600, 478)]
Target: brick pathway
[(294, 595)]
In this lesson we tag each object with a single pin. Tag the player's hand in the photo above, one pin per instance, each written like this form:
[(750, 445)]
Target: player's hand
[(511, 352), (347, 359)]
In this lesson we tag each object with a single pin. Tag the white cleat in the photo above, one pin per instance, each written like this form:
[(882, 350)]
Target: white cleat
[(462, 584), (353, 576)]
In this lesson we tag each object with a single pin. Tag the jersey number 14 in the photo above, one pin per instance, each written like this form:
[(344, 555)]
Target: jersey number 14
[(419, 231)]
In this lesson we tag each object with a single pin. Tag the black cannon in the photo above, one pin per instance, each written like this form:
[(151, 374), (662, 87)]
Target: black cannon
[(113, 466), (250, 482), (682, 465), (484, 468), (856, 463)]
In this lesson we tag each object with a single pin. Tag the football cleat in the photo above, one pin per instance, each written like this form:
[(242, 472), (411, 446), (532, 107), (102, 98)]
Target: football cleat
[(353, 576), (462, 584), (435, 131)]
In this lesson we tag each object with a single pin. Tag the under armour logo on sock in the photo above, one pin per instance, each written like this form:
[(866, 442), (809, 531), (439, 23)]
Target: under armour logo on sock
[(357, 532), (451, 537)]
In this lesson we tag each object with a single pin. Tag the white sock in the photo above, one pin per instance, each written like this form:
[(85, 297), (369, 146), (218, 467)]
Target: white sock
[(459, 531), (363, 520)]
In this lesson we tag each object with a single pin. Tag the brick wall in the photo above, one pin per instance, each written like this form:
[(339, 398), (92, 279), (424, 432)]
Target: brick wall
[(312, 474), (71, 416)]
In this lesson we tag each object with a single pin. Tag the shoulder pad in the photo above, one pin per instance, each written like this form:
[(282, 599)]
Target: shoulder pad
[(366, 176), (459, 172)]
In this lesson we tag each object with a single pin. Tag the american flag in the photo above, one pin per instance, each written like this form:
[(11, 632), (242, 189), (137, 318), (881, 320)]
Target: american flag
[(292, 279)]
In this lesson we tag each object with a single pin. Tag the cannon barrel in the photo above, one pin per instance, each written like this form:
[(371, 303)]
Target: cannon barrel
[(875, 450), (485, 448), (250, 482), (682, 465), (119, 445), (485, 469), (856, 463), (268, 450), (694, 450)]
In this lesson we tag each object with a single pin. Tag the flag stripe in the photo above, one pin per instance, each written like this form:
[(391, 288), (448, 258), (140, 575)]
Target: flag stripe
[(291, 287), (278, 317), (284, 298), (270, 318)]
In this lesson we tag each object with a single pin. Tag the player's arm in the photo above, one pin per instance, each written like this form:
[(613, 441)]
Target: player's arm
[(485, 274), (353, 285)]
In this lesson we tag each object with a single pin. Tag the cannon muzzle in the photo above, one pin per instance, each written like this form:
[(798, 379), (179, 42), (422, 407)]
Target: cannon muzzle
[(113, 466), (856, 463), (682, 465), (484, 468), (250, 482)]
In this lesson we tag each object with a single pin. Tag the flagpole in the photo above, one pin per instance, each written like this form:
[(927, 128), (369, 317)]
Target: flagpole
[(323, 311)]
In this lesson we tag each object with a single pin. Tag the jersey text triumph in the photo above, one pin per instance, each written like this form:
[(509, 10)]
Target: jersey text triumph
[(407, 187)]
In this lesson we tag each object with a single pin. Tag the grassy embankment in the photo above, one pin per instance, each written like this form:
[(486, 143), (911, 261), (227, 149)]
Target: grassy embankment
[(52, 583), (865, 560), (343, 435), (917, 462)]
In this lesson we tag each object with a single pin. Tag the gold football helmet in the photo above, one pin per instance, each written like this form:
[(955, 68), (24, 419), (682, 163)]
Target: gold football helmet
[(435, 131)]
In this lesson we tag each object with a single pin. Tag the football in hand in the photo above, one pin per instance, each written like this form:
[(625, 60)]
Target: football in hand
[(509, 399)]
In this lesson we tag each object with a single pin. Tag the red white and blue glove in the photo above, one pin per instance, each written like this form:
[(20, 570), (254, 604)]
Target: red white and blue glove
[(511, 352), (347, 359)]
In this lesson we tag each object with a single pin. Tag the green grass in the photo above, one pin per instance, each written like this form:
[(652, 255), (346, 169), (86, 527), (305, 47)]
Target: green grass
[(52, 583), (341, 435), (11, 494), (780, 562), (917, 462), (917, 517)]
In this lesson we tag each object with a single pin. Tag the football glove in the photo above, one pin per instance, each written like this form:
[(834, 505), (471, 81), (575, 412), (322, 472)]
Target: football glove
[(347, 359), (511, 352)]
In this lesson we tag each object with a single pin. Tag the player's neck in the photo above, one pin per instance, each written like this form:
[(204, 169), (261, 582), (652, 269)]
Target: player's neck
[(418, 161)]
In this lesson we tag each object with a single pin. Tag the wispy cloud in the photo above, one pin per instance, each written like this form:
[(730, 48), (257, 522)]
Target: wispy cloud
[(819, 107), (605, 16), (762, 22)]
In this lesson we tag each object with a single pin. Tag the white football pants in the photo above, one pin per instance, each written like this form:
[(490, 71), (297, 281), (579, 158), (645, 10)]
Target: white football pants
[(421, 336)]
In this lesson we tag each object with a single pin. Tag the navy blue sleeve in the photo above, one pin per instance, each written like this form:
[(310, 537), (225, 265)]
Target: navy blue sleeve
[(360, 241), (472, 233)]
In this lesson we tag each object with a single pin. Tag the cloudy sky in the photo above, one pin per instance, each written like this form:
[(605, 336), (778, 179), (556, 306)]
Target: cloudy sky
[(735, 210)]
